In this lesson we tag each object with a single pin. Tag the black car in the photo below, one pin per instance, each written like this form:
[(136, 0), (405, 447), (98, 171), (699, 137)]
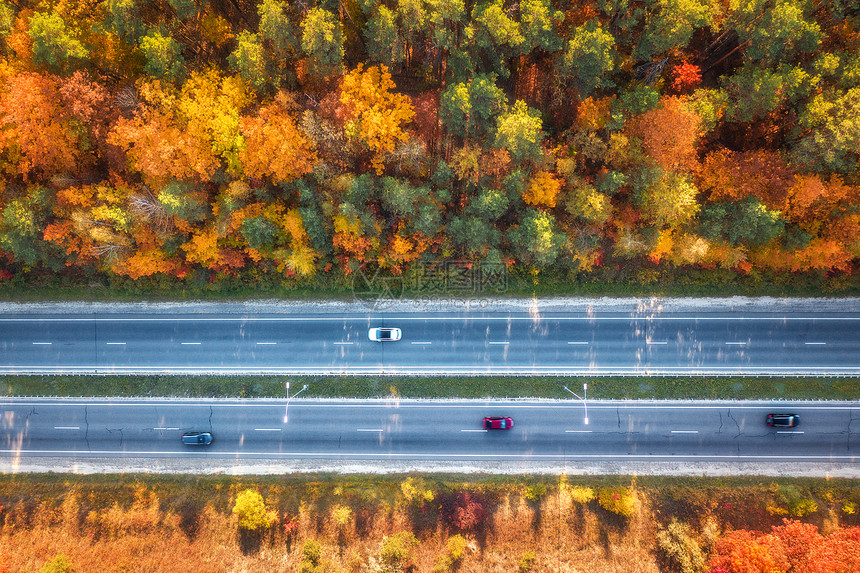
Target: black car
[(197, 438), (783, 420)]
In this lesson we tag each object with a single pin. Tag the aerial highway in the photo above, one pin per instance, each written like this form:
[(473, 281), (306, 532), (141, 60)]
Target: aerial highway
[(437, 343), (422, 430)]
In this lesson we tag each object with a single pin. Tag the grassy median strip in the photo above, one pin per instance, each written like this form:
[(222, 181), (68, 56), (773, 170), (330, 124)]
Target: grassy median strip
[(604, 387)]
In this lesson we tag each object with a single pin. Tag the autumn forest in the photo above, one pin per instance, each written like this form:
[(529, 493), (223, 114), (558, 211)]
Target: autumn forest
[(217, 140)]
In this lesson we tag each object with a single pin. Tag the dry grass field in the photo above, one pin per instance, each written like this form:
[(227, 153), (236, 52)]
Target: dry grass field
[(107, 524)]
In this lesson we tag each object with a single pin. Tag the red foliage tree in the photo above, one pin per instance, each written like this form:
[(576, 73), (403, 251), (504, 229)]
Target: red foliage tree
[(468, 510), (793, 546), (686, 77)]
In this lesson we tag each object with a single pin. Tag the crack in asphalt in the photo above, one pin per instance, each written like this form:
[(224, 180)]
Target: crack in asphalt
[(737, 425), (121, 435), (32, 412), (720, 429), (87, 427), (851, 420), (618, 414), (210, 418)]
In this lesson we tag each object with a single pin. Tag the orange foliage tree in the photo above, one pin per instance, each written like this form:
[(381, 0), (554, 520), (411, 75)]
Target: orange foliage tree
[(160, 148), (184, 134), (273, 146), (375, 114), (732, 176), (669, 134), (812, 200), (543, 190), (39, 135), (93, 221)]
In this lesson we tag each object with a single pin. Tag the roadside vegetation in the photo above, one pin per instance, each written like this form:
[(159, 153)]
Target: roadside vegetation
[(602, 387), (429, 523), (184, 148)]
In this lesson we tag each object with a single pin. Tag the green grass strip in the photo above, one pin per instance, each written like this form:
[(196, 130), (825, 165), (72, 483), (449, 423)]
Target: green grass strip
[(604, 387)]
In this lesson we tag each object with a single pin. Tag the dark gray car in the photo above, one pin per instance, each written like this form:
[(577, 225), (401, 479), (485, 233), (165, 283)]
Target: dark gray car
[(197, 438), (783, 420)]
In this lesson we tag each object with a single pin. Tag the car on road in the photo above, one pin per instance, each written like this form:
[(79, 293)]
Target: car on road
[(783, 420), (384, 334), (197, 438), (498, 423)]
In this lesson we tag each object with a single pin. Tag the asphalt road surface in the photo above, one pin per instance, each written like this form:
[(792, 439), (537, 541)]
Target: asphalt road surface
[(422, 430), (434, 343)]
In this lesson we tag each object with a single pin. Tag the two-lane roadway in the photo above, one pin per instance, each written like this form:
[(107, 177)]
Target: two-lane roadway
[(425, 430), (438, 343)]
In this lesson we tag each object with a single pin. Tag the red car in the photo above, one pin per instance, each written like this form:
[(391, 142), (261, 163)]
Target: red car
[(498, 423)]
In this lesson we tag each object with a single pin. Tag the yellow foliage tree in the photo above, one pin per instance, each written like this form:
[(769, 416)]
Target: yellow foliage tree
[(543, 190), (203, 247), (375, 114), (145, 262), (188, 133)]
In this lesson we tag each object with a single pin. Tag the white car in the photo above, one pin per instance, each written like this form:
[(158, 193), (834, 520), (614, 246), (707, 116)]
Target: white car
[(384, 334)]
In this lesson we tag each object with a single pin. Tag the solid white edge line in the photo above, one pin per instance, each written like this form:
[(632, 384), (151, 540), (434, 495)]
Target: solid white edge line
[(190, 343), (160, 429), (788, 432), (579, 343), (375, 370), (67, 427), (482, 430), (656, 342), (369, 430), (815, 343), (578, 431), (502, 343), (42, 343), (441, 318), (824, 458), (685, 431), (266, 343), (421, 343), (115, 343), (343, 343), (267, 429), (414, 403), (736, 343)]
